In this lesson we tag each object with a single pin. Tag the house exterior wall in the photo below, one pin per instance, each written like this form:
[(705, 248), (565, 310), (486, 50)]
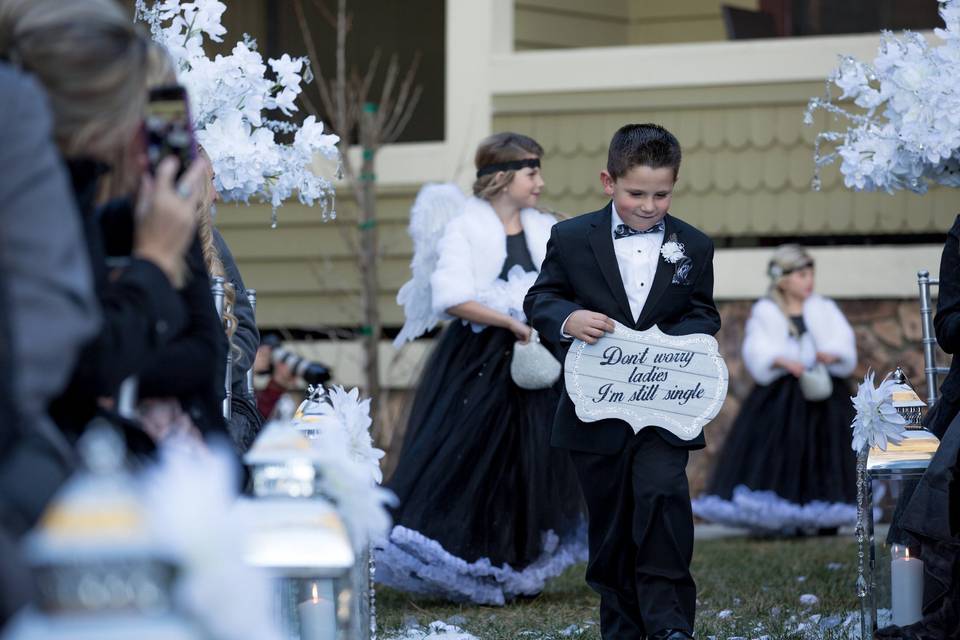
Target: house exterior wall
[(558, 24), (737, 108)]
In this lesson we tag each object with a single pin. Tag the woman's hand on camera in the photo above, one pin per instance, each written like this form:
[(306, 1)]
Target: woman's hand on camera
[(167, 216)]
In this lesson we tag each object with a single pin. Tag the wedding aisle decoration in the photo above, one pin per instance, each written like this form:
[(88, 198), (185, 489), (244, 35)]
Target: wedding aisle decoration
[(877, 421), (239, 105), (153, 552), (902, 112), (338, 424), (904, 123)]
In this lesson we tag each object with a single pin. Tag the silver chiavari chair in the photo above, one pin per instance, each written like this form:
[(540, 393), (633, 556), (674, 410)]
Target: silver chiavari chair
[(218, 289), (930, 369), (252, 297)]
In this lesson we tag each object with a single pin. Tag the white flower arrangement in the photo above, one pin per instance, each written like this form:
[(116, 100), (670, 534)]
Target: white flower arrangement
[(354, 418), (672, 251), (877, 421), (350, 465), (229, 98), (359, 500), (905, 133)]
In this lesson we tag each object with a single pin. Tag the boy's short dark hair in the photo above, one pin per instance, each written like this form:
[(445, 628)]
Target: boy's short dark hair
[(649, 145)]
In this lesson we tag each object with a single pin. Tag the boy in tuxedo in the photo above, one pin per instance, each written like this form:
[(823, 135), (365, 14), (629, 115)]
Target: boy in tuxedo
[(605, 266)]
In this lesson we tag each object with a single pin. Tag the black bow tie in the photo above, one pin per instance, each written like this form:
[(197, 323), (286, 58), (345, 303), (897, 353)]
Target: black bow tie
[(623, 231)]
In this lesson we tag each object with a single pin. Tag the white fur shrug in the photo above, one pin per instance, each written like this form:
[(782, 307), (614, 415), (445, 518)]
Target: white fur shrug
[(767, 337), (473, 249)]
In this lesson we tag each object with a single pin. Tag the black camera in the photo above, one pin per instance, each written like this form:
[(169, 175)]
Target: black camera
[(168, 128), (310, 372)]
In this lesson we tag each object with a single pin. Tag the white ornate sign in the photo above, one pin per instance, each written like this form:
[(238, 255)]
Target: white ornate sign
[(648, 378)]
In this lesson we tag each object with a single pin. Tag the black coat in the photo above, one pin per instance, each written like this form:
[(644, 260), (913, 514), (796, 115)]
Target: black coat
[(934, 508), (946, 324), (192, 365), (141, 312), (580, 271)]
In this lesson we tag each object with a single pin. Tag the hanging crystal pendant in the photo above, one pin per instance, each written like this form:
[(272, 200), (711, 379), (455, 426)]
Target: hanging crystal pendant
[(332, 215)]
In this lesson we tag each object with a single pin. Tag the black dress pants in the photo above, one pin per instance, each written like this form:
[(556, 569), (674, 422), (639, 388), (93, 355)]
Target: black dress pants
[(640, 537)]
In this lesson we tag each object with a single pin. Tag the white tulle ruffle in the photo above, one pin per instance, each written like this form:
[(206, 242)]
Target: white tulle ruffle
[(506, 296), (411, 562), (766, 512)]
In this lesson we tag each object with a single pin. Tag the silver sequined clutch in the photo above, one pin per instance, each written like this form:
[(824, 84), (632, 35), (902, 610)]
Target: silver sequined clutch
[(533, 366)]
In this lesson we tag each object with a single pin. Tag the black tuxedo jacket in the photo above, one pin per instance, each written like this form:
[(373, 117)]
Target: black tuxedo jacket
[(580, 271), (947, 327)]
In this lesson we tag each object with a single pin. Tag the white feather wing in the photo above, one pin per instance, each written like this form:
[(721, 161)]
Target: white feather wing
[(434, 207)]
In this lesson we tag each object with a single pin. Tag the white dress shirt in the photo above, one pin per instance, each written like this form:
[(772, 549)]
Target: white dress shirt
[(637, 257)]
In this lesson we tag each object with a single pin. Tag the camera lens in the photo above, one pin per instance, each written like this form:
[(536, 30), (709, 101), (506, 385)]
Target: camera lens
[(315, 373)]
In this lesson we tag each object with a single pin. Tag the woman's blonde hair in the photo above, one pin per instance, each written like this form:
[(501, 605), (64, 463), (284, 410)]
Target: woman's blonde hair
[(213, 260), (498, 148), (91, 60), (161, 69), (786, 259), (124, 177)]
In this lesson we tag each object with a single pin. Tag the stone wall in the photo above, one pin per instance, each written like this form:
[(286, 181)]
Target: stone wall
[(888, 335)]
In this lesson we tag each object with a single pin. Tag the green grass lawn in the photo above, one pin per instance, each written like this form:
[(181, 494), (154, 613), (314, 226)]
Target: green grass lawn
[(746, 589)]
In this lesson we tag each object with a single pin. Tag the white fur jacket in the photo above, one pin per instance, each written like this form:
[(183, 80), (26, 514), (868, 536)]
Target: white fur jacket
[(767, 337), (471, 255)]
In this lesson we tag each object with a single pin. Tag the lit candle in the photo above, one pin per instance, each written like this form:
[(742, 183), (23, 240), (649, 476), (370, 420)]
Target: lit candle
[(906, 586), (318, 617)]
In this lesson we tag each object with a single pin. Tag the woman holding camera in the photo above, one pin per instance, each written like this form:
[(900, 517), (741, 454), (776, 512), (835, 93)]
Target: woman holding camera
[(183, 388), (92, 62)]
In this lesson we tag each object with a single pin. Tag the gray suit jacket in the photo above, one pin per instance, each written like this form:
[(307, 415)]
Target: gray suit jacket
[(42, 250), (50, 301)]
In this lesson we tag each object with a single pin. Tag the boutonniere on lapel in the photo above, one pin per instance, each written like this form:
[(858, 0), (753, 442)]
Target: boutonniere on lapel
[(672, 252)]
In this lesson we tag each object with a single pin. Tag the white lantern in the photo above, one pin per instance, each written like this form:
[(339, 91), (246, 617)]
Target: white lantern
[(297, 536), (99, 572), (890, 580)]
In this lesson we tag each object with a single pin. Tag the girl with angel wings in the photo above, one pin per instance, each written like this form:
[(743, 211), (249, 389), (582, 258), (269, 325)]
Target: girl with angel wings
[(487, 510)]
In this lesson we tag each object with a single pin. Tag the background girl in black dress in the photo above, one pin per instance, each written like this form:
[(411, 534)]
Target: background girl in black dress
[(787, 465), (487, 509)]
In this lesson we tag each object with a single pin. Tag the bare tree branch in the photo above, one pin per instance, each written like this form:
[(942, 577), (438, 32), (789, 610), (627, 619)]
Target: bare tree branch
[(325, 12), (318, 77), (401, 110), (394, 133), (371, 74), (327, 15), (310, 107), (345, 97), (386, 106)]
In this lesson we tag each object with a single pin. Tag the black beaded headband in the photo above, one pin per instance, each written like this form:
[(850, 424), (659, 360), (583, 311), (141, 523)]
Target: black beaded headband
[(513, 165)]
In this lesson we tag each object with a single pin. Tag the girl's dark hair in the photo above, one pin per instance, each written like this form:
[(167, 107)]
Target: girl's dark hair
[(648, 145), (501, 147)]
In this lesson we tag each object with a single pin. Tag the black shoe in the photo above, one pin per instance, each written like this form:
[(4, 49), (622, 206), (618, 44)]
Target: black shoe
[(671, 634)]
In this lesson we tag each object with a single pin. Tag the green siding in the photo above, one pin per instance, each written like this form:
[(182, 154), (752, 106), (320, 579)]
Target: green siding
[(304, 270), (747, 168)]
